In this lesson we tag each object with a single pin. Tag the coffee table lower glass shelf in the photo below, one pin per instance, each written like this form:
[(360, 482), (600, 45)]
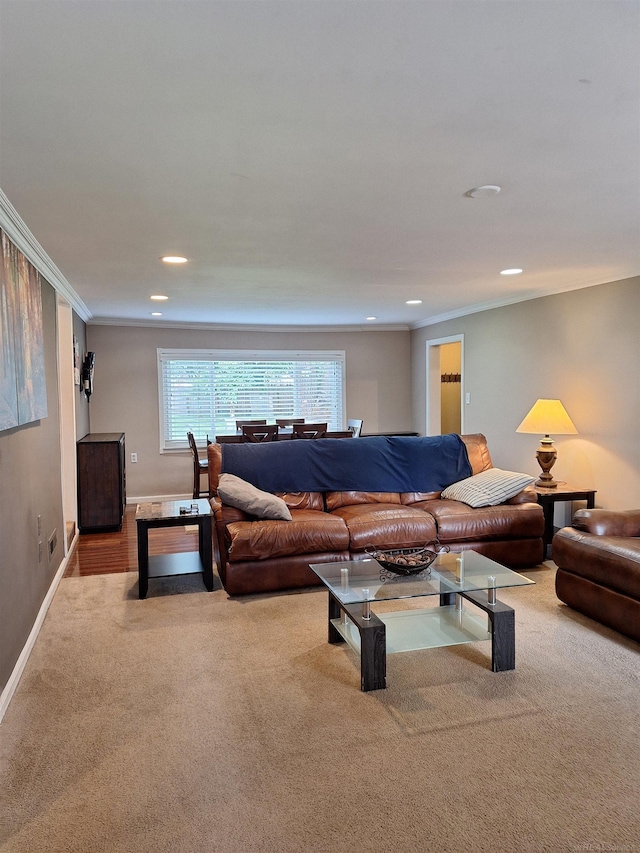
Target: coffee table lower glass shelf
[(455, 578), (430, 628)]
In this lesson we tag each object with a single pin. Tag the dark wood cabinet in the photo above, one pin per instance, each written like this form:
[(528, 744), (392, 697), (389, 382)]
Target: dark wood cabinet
[(101, 481)]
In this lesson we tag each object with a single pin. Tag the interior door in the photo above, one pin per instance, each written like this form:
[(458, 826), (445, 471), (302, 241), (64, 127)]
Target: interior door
[(445, 404)]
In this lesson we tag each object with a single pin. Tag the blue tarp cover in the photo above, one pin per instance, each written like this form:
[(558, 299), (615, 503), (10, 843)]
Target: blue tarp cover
[(369, 464)]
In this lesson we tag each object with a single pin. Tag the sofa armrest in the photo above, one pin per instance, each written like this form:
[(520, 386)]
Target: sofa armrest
[(605, 522), (225, 514), (526, 496)]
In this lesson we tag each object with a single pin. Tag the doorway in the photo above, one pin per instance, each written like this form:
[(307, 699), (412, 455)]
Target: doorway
[(445, 383), (66, 388)]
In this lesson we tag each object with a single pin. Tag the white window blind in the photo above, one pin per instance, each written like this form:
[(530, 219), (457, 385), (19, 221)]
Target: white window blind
[(206, 391)]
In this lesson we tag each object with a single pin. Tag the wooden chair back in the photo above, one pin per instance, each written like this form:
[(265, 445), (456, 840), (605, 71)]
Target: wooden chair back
[(241, 423), (286, 422), (200, 466), (257, 432), (355, 427), (309, 430)]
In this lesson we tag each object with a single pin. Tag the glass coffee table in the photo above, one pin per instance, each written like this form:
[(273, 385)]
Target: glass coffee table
[(354, 586)]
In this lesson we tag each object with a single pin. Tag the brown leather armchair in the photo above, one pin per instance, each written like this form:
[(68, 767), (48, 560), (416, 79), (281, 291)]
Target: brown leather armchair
[(598, 560)]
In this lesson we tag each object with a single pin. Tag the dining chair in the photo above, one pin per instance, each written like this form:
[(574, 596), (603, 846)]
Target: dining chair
[(355, 427), (257, 432), (229, 439), (286, 422), (200, 466), (240, 424), (309, 430)]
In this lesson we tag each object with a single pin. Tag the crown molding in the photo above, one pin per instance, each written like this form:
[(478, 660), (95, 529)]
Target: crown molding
[(500, 303), (231, 327), (16, 230)]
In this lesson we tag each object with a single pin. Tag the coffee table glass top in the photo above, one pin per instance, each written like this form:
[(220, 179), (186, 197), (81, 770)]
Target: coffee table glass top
[(357, 581)]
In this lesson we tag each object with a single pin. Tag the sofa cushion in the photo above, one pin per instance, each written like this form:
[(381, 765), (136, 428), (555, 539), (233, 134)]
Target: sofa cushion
[(408, 498), (488, 488), (303, 500), (334, 500), (386, 526), (458, 522), (308, 532), (477, 451), (242, 495)]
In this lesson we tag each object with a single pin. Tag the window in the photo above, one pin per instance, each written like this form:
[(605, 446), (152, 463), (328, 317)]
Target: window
[(206, 391)]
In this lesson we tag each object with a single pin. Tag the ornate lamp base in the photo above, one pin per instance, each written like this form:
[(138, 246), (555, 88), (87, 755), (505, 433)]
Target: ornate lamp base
[(546, 456)]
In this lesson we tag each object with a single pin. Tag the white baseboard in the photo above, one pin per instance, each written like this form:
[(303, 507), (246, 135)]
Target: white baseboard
[(14, 678)]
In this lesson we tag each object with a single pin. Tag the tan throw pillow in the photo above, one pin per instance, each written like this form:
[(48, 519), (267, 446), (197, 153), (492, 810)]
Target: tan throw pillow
[(488, 488), (242, 495)]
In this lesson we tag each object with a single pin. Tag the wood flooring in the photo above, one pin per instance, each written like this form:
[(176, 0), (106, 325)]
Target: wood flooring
[(110, 553)]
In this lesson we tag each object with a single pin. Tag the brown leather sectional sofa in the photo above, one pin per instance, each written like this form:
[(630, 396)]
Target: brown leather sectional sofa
[(598, 561), (263, 555)]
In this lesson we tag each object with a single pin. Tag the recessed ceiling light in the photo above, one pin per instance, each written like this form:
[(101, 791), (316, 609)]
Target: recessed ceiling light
[(414, 301), (174, 259), (158, 298), (480, 192), (510, 272), (371, 318), (156, 313)]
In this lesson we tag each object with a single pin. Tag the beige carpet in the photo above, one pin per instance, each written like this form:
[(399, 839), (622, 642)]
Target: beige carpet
[(190, 722)]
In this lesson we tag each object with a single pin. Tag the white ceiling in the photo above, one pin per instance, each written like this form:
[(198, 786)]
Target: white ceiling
[(311, 157)]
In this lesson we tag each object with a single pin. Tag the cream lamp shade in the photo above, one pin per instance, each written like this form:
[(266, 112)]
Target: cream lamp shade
[(546, 417)]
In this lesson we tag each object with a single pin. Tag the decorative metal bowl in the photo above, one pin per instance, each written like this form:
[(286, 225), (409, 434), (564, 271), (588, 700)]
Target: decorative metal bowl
[(405, 561)]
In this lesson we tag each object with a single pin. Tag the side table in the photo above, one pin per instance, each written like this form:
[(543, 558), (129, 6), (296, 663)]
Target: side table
[(167, 514), (547, 498)]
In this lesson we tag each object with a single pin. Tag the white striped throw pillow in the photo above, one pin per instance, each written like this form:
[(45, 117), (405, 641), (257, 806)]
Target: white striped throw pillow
[(488, 488)]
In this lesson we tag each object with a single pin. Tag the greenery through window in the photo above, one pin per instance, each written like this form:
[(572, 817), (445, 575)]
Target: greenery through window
[(207, 391)]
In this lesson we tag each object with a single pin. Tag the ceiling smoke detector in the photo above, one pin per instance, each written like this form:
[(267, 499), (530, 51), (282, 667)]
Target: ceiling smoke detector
[(481, 192)]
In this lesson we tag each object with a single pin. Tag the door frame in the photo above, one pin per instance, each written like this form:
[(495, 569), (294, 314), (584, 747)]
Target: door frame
[(67, 415), (433, 382)]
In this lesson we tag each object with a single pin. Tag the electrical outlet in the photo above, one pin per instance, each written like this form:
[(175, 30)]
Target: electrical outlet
[(39, 525), (53, 541), (467, 398), (134, 457)]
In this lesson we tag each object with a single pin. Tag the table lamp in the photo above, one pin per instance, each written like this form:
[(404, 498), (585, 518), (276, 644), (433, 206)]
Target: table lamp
[(547, 416)]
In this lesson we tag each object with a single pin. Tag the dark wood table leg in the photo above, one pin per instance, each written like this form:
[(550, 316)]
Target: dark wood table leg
[(335, 636), (143, 559), (206, 550), (548, 507), (503, 637), (373, 644), (373, 655), (503, 630), (373, 648)]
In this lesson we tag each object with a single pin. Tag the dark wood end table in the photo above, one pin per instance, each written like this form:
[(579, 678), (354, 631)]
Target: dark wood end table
[(547, 498), (168, 514)]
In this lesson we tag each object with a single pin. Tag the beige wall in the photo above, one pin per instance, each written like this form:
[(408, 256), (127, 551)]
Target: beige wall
[(30, 486), (125, 397), (581, 347)]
